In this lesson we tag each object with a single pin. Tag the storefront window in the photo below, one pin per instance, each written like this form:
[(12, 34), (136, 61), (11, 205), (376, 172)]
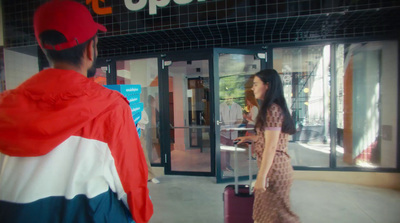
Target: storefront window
[(145, 73), (367, 97), (306, 81)]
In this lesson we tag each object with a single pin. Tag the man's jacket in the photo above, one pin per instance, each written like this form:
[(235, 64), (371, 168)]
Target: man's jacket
[(69, 152)]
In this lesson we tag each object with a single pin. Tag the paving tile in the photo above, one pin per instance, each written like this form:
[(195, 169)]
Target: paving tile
[(189, 199)]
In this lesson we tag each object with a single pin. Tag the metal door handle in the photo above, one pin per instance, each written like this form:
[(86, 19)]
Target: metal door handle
[(219, 122), (189, 127)]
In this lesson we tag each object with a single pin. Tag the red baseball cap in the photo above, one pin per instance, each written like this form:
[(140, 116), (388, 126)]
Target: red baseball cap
[(70, 18)]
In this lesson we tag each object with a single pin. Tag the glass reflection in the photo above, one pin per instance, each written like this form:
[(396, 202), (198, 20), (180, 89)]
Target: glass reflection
[(306, 79), (189, 108), (238, 109), (145, 73), (365, 91)]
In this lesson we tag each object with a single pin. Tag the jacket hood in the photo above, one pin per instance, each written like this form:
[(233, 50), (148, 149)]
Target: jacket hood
[(47, 109)]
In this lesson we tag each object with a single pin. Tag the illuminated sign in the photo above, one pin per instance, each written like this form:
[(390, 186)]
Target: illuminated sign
[(138, 5), (153, 4), (96, 8)]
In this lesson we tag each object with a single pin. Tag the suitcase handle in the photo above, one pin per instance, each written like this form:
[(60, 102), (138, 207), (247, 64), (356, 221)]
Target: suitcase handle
[(240, 193), (235, 173)]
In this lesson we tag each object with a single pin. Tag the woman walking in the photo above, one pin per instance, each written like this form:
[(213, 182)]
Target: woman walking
[(273, 126)]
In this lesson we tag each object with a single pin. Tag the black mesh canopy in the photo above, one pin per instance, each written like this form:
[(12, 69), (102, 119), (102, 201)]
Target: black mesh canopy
[(214, 23)]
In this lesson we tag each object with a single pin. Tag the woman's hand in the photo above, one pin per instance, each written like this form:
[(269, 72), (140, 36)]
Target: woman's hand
[(245, 139), (260, 185), (241, 140)]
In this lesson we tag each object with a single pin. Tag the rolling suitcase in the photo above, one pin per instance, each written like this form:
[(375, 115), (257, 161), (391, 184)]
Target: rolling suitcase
[(238, 199)]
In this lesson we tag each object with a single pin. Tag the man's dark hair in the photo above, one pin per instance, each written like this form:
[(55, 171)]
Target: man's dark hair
[(71, 55)]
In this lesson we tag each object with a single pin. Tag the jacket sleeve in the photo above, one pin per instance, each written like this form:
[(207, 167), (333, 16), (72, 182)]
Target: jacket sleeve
[(130, 162)]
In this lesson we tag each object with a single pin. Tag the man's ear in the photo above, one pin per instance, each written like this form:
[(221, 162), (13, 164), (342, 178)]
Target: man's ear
[(90, 50)]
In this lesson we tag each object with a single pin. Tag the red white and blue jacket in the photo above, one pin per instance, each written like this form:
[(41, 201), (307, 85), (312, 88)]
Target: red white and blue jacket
[(69, 152)]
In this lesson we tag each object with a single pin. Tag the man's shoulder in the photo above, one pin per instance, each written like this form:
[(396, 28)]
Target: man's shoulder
[(237, 106), (115, 99)]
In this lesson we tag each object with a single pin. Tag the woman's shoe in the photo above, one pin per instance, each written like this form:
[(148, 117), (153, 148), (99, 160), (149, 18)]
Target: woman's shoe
[(155, 181)]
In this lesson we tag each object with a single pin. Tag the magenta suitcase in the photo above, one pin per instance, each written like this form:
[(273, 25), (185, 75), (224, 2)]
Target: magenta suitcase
[(238, 199)]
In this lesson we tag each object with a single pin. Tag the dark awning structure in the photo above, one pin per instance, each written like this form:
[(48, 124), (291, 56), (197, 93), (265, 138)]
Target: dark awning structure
[(215, 23)]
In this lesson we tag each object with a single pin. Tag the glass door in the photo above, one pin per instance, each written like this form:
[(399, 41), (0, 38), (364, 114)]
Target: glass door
[(144, 72), (187, 99), (234, 103)]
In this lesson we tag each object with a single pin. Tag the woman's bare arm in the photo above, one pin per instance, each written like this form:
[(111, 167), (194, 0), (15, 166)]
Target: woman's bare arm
[(270, 143)]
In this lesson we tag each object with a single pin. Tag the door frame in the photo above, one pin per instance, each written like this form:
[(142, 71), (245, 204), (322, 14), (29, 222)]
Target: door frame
[(111, 73), (264, 63), (164, 108)]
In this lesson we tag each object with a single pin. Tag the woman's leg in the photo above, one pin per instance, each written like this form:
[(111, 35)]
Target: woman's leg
[(151, 174)]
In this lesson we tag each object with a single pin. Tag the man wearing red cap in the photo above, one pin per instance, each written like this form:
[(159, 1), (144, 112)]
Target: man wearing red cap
[(69, 150)]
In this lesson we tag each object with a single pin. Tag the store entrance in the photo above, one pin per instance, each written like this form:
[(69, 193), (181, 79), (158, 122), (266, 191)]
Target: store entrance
[(182, 95)]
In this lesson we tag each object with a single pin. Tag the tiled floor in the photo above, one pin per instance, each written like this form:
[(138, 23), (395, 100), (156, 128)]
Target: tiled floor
[(187, 199)]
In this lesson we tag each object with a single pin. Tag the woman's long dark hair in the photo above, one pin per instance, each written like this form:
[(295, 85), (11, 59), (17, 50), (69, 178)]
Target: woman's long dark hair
[(274, 94)]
